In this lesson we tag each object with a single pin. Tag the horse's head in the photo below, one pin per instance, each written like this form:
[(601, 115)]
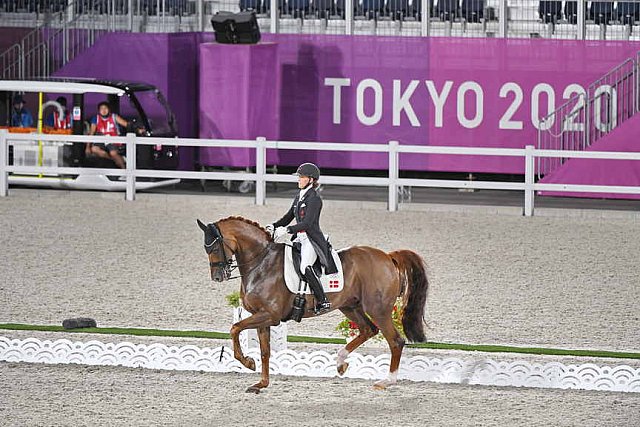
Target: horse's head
[(219, 250)]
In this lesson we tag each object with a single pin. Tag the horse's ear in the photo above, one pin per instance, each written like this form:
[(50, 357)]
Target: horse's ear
[(201, 225)]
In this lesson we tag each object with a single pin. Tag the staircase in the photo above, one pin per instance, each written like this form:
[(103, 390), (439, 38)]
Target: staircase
[(588, 116), (58, 40)]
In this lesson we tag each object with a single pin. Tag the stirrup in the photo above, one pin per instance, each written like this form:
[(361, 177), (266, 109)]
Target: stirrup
[(322, 307)]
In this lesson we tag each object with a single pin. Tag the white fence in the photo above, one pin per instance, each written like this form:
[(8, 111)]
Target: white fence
[(393, 150)]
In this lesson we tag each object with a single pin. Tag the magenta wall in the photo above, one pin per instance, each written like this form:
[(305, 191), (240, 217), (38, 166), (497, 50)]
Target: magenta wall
[(426, 91)]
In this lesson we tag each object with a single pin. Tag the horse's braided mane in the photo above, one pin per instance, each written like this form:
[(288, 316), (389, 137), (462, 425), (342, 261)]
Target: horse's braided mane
[(250, 222)]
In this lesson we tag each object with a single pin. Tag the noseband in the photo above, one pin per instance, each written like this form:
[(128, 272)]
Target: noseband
[(219, 244), (227, 266)]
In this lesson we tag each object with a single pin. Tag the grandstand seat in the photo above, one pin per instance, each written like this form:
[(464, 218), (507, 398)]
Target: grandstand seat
[(416, 7), (550, 11), (571, 12), (398, 9), (372, 8), (628, 13), (323, 8), (250, 5), (298, 7), (472, 10), (340, 7), (266, 6), (447, 10), (601, 12)]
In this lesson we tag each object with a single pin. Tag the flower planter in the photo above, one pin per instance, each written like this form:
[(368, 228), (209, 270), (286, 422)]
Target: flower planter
[(249, 337)]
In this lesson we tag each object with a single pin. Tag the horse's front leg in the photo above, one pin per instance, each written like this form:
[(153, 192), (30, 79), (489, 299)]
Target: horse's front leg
[(264, 334), (258, 320)]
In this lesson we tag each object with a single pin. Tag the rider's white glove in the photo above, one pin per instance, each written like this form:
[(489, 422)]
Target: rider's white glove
[(270, 229), (279, 233)]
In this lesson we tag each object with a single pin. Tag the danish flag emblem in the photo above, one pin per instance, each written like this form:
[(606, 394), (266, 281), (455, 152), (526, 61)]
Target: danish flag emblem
[(334, 284)]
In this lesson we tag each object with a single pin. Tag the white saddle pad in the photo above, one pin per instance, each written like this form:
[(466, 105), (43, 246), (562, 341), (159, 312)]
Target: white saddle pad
[(330, 283)]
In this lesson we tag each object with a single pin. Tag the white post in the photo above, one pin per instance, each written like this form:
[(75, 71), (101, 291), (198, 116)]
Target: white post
[(425, 18), (503, 15), (200, 13), (4, 178), (261, 168), (529, 175), (70, 11), (348, 17), (130, 15), (131, 167), (393, 176), (274, 16), (581, 18)]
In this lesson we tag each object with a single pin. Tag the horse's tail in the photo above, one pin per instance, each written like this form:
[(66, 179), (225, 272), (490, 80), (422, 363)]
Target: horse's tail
[(414, 285)]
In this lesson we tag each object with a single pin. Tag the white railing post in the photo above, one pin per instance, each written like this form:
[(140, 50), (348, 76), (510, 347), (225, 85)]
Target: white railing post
[(4, 149), (503, 19), (131, 167), (70, 10), (348, 17), (425, 18), (393, 176), (130, 15), (274, 16), (261, 168), (529, 179), (200, 13), (581, 18)]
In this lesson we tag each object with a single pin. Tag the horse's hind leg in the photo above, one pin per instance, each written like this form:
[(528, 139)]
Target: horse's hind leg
[(366, 330), (396, 344)]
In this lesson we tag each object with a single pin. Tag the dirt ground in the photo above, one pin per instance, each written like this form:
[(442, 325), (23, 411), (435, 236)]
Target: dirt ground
[(83, 395), (505, 279)]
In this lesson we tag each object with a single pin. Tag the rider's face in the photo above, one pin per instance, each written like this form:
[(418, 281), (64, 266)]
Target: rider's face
[(303, 181), (104, 110)]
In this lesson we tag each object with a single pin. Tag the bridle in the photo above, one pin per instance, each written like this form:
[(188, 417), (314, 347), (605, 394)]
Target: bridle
[(227, 265)]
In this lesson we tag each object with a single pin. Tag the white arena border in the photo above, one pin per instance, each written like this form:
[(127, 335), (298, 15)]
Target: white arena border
[(471, 370)]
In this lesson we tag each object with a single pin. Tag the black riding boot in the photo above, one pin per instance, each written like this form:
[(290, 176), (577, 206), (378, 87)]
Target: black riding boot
[(322, 303)]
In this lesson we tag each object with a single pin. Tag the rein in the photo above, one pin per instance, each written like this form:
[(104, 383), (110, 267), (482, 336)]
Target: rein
[(227, 264)]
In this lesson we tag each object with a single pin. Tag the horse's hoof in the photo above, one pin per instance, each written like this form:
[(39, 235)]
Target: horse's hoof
[(381, 385), (253, 389), (342, 368), (250, 364)]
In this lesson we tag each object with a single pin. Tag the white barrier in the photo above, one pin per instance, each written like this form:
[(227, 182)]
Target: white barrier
[(475, 369), (260, 177)]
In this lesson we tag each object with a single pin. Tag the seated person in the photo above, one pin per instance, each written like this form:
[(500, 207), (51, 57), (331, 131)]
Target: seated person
[(106, 123), (54, 119), (20, 116)]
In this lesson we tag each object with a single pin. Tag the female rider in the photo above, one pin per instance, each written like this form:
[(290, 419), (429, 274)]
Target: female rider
[(306, 209)]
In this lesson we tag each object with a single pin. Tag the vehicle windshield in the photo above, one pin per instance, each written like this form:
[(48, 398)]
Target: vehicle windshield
[(155, 107)]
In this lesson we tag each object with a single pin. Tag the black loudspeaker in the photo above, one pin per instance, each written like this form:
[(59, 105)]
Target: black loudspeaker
[(236, 28)]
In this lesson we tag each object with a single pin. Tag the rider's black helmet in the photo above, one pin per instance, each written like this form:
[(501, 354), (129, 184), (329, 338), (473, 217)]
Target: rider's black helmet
[(308, 169)]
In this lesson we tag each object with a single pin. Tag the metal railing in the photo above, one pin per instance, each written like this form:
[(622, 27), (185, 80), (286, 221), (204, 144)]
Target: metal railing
[(393, 150), (66, 33), (591, 113), (581, 19)]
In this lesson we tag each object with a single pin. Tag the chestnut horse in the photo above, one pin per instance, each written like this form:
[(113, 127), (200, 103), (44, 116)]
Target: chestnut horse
[(373, 280)]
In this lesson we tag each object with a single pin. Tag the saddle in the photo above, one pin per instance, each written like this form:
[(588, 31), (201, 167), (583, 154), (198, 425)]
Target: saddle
[(295, 280)]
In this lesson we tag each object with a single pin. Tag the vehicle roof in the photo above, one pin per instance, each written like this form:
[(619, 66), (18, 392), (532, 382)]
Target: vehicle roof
[(73, 85)]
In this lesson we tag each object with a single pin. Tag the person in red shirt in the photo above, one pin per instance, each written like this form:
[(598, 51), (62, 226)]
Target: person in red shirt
[(109, 124), (55, 120)]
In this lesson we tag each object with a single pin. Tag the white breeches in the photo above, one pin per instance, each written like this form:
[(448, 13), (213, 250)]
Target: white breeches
[(308, 255)]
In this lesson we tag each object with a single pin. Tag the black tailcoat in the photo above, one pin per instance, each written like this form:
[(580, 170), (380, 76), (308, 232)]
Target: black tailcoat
[(307, 215)]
